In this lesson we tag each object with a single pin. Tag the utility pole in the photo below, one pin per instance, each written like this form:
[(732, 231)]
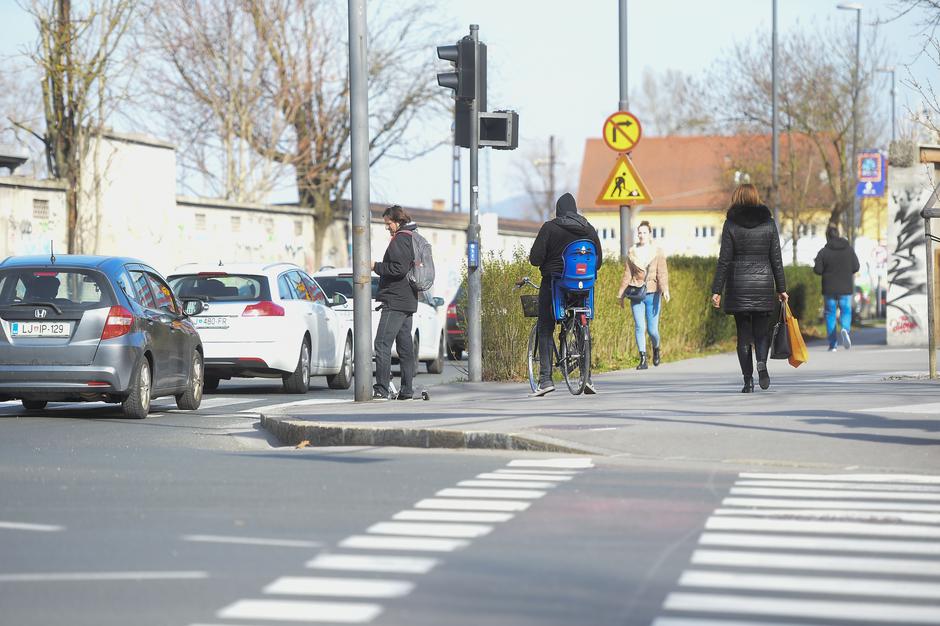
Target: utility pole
[(775, 130), (551, 173), (474, 278), (361, 215), (626, 215), (853, 167)]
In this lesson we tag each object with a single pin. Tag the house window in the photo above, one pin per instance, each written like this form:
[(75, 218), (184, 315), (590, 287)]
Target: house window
[(603, 233), (200, 221), (662, 232), (812, 230), (697, 232), (298, 228), (712, 231), (453, 239), (40, 209), (236, 224)]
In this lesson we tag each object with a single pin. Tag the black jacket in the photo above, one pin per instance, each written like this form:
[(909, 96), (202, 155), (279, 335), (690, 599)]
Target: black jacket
[(749, 263), (837, 264), (556, 234), (395, 290)]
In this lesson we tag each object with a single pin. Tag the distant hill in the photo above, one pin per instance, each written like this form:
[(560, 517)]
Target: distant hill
[(515, 207)]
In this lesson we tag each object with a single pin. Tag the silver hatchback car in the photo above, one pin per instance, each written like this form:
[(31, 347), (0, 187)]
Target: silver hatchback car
[(95, 328)]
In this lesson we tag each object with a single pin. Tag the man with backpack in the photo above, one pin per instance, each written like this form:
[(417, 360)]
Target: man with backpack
[(406, 269)]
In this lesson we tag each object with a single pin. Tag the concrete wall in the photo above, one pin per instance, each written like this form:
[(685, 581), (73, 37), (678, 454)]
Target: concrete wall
[(32, 214)]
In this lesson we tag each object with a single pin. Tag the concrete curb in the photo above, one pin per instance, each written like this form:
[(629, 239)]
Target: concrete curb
[(291, 432)]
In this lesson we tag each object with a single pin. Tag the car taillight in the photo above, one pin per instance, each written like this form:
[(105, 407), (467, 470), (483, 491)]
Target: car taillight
[(452, 311), (265, 308), (119, 322)]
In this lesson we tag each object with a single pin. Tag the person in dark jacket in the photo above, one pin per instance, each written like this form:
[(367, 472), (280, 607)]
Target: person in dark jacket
[(547, 254), (750, 271), (837, 263), (399, 302)]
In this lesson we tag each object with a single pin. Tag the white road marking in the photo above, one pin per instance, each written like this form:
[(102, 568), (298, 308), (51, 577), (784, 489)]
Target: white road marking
[(825, 493), (42, 528), (811, 584), (821, 609), (556, 463), (252, 541), (807, 484), (452, 516), (547, 472), (848, 528), (838, 514), (787, 542), (515, 476), (99, 576), (460, 531), (930, 408), (774, 560), (297, 404), (489, 493), (506, 483), (471, 505), (302, 611), (781, 503), (377, 542), (865, 478), (214, 402), (697, 621), (340, 587), (374, 563)]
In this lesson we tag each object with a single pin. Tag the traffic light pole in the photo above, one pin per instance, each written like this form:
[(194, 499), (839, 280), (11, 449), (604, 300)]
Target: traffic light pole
[(474, 279), (626, 213)]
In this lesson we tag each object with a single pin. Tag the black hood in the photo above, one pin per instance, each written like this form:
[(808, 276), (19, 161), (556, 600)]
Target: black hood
[(576, 225), (837, 243), (749, 216), (566, 206)]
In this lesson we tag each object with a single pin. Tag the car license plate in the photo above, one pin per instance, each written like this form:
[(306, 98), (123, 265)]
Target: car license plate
[(41, 329), (210, 322)]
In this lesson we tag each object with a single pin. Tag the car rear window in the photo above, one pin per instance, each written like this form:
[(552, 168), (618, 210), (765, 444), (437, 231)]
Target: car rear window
[(221, 287), (343, 284), (66, 288)]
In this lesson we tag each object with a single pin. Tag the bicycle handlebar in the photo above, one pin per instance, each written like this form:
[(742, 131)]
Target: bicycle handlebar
[(525, 281)]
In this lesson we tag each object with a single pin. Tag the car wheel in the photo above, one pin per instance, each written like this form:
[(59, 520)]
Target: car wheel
[(437, 365), (299, 381), (210, 383), (137, 403), (343, 378), (34, 405), (192, 398)]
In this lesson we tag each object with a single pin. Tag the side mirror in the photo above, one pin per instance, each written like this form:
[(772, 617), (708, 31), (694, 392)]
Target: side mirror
[(437, 302), (193, 306), (338, 300)]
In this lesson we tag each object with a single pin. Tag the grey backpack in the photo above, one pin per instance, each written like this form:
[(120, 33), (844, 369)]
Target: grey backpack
[(421, 274)]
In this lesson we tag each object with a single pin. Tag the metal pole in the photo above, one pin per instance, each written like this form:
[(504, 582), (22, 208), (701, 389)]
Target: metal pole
[(852, 157), (626, 214), (474, 282), (894, 119), (775, 139), (362, 246), (928, 213)]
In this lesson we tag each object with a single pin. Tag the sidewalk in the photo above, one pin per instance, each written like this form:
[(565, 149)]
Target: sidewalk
[(870, 406)]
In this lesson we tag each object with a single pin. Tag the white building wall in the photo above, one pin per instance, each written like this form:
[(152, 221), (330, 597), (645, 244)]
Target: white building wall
[(32, 216)]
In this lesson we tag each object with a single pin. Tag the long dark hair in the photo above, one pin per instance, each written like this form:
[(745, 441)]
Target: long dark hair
[(397, 215)]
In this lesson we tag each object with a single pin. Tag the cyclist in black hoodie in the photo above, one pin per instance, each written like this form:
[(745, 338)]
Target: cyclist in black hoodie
[(546, 254)]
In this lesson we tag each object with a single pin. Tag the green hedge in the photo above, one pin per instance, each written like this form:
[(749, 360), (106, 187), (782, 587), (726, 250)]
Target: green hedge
[(689, 325)]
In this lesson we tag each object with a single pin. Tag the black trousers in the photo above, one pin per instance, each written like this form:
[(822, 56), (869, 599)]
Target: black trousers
[(394, 326), (753, 329), (546, 328)]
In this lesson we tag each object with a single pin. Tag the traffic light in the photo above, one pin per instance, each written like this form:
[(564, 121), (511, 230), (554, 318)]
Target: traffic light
[(462, 79)]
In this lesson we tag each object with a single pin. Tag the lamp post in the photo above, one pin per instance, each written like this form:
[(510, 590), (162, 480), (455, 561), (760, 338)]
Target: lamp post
[(857, 7), (890, 70)]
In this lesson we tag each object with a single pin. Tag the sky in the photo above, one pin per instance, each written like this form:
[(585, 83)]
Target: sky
[(556, 62)]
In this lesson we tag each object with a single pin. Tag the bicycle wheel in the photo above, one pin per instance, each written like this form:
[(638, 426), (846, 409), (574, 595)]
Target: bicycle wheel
[(533, 358), (574, 359)]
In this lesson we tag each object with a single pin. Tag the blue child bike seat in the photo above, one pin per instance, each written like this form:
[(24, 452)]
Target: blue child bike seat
[(579, 271)]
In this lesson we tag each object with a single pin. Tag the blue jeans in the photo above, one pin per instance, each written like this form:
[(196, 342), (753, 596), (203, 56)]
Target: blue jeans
[(844, 306), (646, 318)]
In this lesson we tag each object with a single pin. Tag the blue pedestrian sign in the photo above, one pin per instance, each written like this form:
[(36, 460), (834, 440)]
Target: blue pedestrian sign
[(871, 174)]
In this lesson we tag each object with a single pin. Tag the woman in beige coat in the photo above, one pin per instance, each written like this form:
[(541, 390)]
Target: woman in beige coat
[(646, 264)]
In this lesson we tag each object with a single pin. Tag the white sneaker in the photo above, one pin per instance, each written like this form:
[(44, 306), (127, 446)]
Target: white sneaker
[(589, 389), (846, 340), (833, 349), (542, 390)]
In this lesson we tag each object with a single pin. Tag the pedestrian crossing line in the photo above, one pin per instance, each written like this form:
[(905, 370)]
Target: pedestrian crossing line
[(214, 402), (698, 621), (865, 478), (833, 544), (418, 529), (421, 544), (799, 608), (797, 526), (838, 514), (252, 541), (905, 487), (810, 584), (824, 493), (490, 493), (928, 408), (561, 474), (339, 587), (42, 528), (501, 484), (374, 563), (533, 477), (771, 560), (452, 516), (472, 505), (830, 504), (301, 611), (570, 463)]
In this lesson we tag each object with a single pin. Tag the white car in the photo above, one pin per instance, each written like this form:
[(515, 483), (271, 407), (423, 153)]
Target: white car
[(428, 322), (267, 320)]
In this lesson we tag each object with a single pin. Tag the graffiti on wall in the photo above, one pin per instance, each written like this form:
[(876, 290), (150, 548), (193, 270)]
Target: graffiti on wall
[(906, 273)]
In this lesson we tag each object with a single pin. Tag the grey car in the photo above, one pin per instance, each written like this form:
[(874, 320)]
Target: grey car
[(95, 328)]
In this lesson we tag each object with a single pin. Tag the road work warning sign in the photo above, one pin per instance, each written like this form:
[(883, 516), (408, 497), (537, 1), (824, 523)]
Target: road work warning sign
[(624, 186)]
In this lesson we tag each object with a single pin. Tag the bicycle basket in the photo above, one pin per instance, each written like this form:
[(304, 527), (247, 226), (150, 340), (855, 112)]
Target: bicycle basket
[(530, 305)]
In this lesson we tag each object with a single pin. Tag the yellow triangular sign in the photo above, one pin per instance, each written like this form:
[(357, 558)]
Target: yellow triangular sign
[(624, 186)]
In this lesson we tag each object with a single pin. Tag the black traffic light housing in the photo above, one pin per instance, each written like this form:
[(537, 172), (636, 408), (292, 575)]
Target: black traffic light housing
[(462, 79)]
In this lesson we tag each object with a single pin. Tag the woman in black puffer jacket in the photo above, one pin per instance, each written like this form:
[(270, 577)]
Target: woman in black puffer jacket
[(750, 271)]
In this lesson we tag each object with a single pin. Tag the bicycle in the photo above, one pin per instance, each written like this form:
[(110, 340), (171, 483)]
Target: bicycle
[(573, 304)]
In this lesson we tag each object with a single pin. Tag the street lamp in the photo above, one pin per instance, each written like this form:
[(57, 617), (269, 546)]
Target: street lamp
[(890, 70), (857, 7)]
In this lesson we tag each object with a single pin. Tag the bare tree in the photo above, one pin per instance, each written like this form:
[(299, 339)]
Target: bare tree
[(928, 11), (538, 170), (671, 103)]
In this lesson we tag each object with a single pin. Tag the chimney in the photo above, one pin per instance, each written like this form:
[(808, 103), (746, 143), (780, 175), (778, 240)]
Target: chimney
[(437, 204)]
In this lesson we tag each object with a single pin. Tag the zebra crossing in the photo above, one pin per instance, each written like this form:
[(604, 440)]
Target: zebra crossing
[(800, 549), (343, 588)]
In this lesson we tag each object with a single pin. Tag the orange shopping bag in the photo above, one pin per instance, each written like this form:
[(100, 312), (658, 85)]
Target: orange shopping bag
[(798, 352)]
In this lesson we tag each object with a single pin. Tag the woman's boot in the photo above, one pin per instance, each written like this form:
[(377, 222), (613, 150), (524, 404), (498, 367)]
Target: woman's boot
[(762, 376), (643, 363), (748, 385), (656, 359)]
